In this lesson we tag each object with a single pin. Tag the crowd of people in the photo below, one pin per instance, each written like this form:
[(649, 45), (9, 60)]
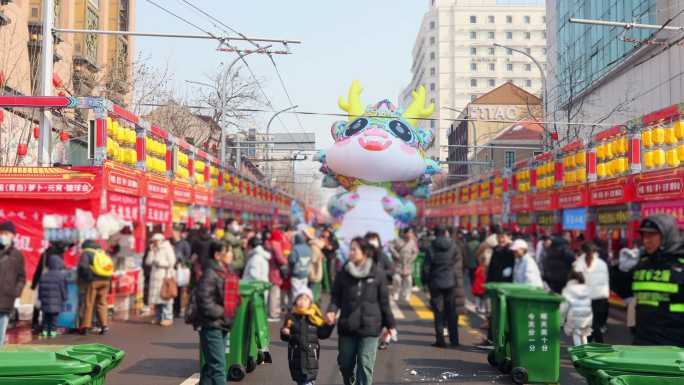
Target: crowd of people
[(196, 274)]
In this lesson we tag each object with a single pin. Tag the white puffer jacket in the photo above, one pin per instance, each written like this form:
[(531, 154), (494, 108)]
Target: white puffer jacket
[(576, 309), (596, 276)]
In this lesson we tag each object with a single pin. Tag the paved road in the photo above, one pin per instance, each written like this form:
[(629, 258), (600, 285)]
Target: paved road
[(169, 356)]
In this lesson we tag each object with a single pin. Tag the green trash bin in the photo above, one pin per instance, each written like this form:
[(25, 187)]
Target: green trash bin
[(600, 363), (418, 270), (47, 380), (646, 380), (534, 322), (500, 357), (263, 335), (81, 364)]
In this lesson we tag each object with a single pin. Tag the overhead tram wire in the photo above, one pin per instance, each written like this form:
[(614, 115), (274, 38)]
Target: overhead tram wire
[(231, 29)]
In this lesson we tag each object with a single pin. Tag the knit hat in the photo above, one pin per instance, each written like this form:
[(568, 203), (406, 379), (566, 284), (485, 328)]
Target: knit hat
[(519, 244), (157, 237), (8, 226), (302, 291)]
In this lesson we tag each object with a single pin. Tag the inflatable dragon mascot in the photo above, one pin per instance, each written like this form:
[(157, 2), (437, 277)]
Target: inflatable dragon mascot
[(379, 158)]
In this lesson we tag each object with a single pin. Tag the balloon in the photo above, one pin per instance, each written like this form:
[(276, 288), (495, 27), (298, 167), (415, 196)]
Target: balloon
[(379, 158)]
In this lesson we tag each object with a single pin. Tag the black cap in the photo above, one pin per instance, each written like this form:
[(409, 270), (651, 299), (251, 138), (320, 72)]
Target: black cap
[(8, 226), (648, 226)]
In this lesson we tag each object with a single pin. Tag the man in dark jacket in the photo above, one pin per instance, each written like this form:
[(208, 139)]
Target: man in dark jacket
[(52, 292), (501, 266), (12, 275), (441, 274), (217, 297), (557, 264), (94, 289), (330, 247), (658, 283)]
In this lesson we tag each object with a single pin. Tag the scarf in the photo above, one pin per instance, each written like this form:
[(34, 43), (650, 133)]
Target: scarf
[(313, 313), (231, 293), (362, 271)]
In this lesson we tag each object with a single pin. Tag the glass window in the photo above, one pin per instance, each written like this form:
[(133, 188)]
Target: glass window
[(509, 19), (473, 98), (432, 86), (509, 51), (528, 35), (473, 66), (473, 51), (527, 50), (544, 51), (473, 35), (432, 124), (432, 56), (509, 67), (432, 40), (509, 158), (491, 19), (528, 83), (492, 50), (492, 82), (528, 67), (544, 34), (491, 35), (509, 35), (473, 82), (492, 66), (432, 71), (432, 25), (473, 19), (527, 19)]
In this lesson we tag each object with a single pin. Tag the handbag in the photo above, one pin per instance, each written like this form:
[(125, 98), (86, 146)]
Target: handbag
[(182, 276), (169, 289)]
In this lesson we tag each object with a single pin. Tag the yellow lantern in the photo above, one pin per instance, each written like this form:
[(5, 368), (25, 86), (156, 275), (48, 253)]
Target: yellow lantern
[(601, 151), (659, 157), (624, 144), (680, 151), (671, 157), (648, 160), (581, 158), (601, 170), (670, 137), (679, 130), (607, 151), (647, 138), (581, 175), (658, 135)]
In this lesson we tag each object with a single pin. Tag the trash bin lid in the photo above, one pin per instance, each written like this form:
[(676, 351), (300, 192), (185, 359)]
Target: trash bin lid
[(37, 363), (501, 286), (47, 380), (532, 295), (646, 380), (665, 360)]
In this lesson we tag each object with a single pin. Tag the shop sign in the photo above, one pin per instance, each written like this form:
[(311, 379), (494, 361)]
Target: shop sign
[(547, 219), (201, 197), (48, 187), (543, 201), (182, 194), (575, 219), (523, 219), (519, 203), (126, 206), (657, 189), (121, 182), (158, 211), (619, 216), (613, 193), (572, 196), (674, 208), (157, 188)]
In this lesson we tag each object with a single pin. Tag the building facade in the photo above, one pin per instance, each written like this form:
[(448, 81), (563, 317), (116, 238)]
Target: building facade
[(608, 75), (454, 55), (83, 64), (483, 120)]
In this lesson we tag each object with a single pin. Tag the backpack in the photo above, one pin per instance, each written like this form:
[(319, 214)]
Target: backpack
[(102, 265), (301, 265)]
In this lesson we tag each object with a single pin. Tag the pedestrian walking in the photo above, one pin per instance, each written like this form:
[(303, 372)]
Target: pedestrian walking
[(576, 314), (525, 270), (330, 248), (502, 262), (383, 261), (300, 263), (54, 248), (658, 283), (233, 238), (277, 269), (52, 293), (303, 329), (557, 264), (161, 258), (12, 275), (217, 298), (596, 277), (470, 262), (478, 289), (404, 251), (441, 274), (256, 268), (95, 269), (361, 296), (316, 268), (183, 251)]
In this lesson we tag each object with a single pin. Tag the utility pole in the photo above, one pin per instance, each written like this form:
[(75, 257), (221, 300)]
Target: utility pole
[(268, 135), (46, 69)]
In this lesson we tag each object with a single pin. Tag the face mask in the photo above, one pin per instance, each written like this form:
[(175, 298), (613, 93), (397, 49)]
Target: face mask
[(5, 241), (374, 243)]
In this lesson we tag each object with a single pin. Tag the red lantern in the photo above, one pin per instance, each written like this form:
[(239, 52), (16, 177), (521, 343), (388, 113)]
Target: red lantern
[(56, 80), (61, 93), (22, 149), (36, 132), (63, 136)]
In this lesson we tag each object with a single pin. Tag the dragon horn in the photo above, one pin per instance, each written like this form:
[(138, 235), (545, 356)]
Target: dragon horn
[(417, 110), (353, 105)]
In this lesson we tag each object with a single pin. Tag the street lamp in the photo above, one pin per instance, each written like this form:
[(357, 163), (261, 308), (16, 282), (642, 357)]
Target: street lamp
[(541, 71), (268, 133)]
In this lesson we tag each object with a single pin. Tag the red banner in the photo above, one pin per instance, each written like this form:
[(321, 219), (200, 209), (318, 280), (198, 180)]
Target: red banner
[(573, 196), (157, 187), (181, 192), (201, 196), (126, 206), (610, 192), (46, 183), (659, 185), (123, 180), (158, 211), (543, 201), (520, 203)]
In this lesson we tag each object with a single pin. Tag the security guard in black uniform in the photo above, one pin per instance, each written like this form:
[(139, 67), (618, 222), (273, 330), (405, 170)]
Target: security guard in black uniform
[(658, 283)]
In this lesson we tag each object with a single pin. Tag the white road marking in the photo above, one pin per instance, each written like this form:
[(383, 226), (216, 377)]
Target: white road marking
[(192, 380), (398, 314)]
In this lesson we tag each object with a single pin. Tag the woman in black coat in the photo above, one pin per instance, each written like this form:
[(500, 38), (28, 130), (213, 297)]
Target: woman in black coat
[(360, 294), (52, 293)]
